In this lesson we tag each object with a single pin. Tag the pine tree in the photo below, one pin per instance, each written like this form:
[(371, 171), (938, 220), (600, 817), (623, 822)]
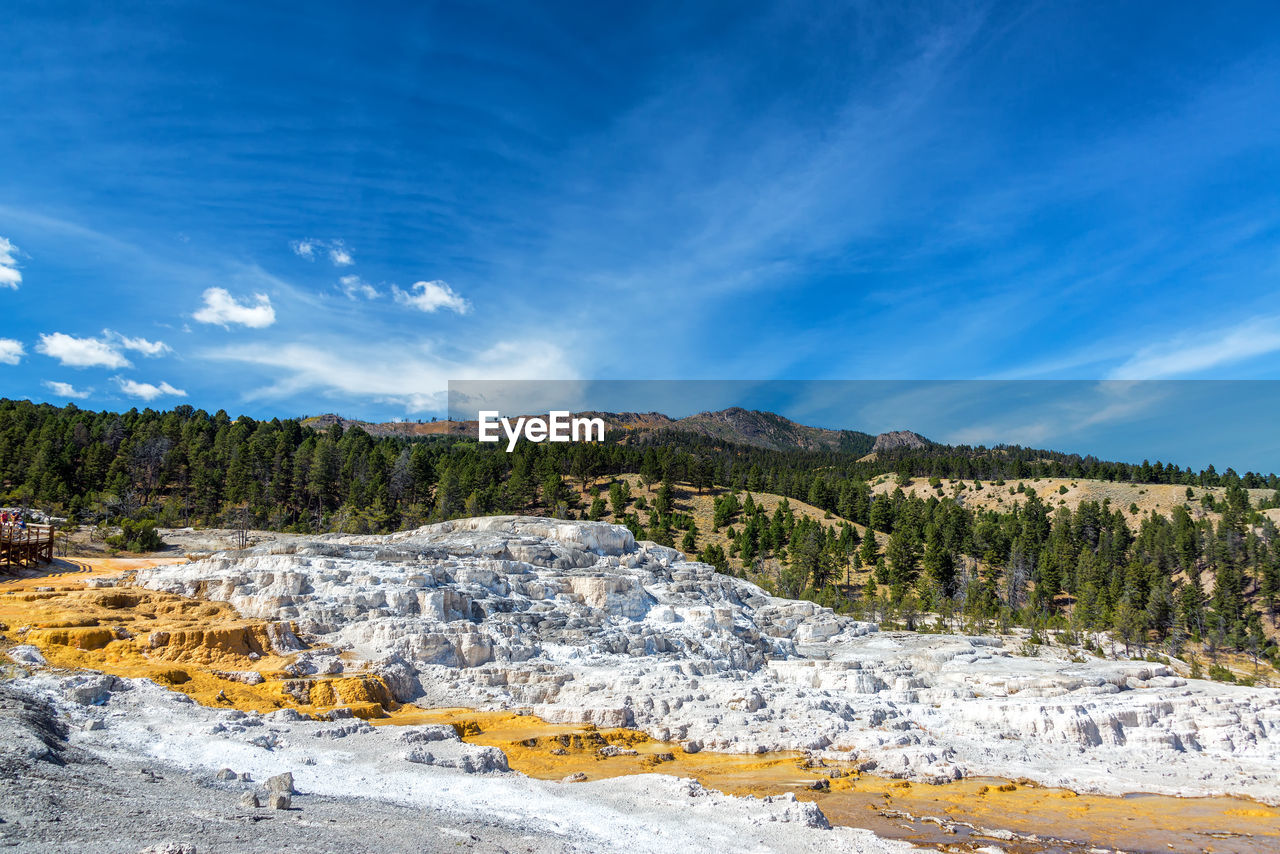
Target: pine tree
[(869, 551)]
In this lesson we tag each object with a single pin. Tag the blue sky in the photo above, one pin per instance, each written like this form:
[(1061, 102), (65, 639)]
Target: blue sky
[(339, 207)]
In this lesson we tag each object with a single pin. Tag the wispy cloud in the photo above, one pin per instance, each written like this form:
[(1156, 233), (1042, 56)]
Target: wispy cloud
[(222, 309), (102, 352), (431, 297), (397, 372), (337, 251), (67, 390), (1054, 411), (75, 352), (10, 275), (355, 287), (11, 351), (340, 255), (148, 391), (1186, 355), (138, 345)]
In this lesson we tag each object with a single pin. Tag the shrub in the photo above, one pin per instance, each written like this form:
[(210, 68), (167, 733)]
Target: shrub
[(136, 537), (1218, 673)]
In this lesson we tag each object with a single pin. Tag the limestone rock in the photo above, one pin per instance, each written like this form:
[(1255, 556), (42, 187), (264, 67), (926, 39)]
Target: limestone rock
[(579, 623), (170, 848), (281, 784), (93, 690), (27, 654)]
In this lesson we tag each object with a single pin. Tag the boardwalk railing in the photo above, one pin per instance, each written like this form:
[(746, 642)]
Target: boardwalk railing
[(28, 546)]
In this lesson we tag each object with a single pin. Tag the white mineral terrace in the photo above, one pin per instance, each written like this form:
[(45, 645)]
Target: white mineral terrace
[(578, 622)]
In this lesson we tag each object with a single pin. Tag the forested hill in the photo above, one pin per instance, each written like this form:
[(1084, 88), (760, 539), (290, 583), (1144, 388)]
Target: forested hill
[(1208, 572), (186, 465), (736, 425)]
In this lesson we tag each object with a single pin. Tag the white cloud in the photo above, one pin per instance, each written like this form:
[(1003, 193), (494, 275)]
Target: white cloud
[(10, 277), (404, 374), (431, 296), (223, 309), (354, 286), (81, 352), (11, 351), (340, 255), (139, 345), (148, 391), (1193, 354), (337, 251), (61, 389)]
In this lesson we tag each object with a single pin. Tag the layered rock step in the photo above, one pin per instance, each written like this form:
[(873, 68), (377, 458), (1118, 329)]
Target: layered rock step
[(578, 622)]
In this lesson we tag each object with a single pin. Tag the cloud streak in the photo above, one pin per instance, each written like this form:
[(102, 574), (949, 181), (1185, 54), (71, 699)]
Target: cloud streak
[(1187, 355), (222, 309), (355, 287), (10, 275), (148, 391), (1054, 411), (337, 251), (431, 297), (67, 390), (401, 373), (138, 345)]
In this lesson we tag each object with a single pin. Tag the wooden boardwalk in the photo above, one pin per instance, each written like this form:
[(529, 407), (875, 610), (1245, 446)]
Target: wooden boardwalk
[(21, 548)]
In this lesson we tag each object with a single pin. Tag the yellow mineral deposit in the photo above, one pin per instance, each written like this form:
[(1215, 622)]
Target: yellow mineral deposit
[(203, 649), (199, 647), (892, 808)]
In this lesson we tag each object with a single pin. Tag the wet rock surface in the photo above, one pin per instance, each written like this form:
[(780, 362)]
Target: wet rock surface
[(151, 779)]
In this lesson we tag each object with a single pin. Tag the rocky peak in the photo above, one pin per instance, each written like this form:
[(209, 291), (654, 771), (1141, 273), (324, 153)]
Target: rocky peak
[(895, 439)]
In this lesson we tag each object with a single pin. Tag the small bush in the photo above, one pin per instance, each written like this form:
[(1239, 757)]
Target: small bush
[(1218, 673), (136, 537)]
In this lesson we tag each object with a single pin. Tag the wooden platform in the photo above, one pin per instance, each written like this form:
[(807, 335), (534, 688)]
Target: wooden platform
[(20, 548)]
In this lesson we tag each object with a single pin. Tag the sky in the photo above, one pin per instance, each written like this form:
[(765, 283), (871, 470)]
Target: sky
[(342, 207)]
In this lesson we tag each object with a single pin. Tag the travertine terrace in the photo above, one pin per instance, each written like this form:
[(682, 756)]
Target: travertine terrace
[(575, 621)]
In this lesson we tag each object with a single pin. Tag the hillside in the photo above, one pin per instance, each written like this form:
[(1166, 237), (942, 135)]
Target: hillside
[(1070, 493), (735, 425), (701, 506), (406, 429)]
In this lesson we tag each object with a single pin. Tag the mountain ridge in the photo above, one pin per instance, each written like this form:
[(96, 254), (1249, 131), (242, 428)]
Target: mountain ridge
[(735, 424)]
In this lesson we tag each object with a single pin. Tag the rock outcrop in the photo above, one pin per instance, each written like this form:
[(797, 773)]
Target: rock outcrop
[(896, 439)]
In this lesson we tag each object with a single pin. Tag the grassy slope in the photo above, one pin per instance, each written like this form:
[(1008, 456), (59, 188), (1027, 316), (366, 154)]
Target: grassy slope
[(1148, 496), (1160, 497), (700, 506)]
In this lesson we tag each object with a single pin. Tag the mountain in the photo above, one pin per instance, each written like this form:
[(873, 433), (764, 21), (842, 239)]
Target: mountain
[(392, 428), (898, 440), (768, 430), (735, 424)]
